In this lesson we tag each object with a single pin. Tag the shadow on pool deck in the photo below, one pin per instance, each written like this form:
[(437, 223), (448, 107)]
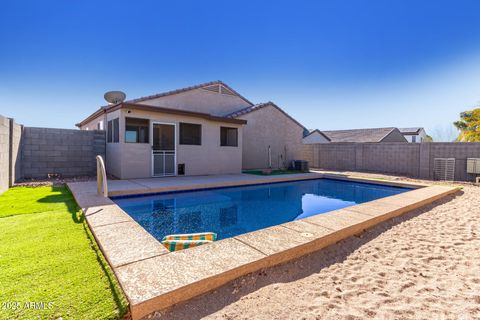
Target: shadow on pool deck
[(212, 302)]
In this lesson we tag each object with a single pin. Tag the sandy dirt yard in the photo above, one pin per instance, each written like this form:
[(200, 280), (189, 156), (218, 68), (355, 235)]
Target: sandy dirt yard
[(423, 265)]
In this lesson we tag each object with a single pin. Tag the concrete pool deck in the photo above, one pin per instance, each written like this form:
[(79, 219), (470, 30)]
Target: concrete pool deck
[(154, 278)]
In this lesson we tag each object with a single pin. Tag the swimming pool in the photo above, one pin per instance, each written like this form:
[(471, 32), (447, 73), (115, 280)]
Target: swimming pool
[(236, 210)]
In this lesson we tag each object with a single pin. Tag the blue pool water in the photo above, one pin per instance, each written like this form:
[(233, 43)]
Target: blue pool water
[(236, 210)]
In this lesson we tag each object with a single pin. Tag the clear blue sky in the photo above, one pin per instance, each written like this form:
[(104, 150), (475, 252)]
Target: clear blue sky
[(330, 64)]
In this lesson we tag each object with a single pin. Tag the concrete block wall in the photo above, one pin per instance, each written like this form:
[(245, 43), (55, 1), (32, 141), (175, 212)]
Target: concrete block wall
[(16, 136), (408, 159), (4, 153), (63, 152), (10, 152)]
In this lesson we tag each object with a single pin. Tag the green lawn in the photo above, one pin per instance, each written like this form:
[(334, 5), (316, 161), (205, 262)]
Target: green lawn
[(47, 255)]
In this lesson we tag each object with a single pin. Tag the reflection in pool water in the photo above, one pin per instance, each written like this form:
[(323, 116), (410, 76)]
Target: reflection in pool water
[(236, 210)]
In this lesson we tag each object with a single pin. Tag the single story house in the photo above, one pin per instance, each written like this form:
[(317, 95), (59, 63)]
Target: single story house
[(200, 130), (415, 135), (355, 135)]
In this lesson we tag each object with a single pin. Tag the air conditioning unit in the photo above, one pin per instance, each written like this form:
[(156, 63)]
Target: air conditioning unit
[(444, 169), (473, 165)]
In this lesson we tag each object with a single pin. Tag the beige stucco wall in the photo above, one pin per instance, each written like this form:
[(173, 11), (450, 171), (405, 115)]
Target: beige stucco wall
[(200, 100), (269, 126), (134, 160), (93, 125)]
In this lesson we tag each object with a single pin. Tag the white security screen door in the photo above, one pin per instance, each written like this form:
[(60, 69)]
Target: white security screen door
[(163, 150)]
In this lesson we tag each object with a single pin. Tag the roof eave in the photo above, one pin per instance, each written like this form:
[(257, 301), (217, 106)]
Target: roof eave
[(187, 113)]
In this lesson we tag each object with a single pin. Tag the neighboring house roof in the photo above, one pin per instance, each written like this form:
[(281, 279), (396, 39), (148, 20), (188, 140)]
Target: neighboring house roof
[(126, 105), (312, 131), (359, 135), (259, 106), (198, 86), (411, 131)]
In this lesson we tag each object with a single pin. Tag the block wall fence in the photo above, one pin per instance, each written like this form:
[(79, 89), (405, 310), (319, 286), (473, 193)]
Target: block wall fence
[(35, 153), (407, 159)]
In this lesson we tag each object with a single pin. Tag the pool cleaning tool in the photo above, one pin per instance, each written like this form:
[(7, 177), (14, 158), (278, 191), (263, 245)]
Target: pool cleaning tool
[(175, 242)]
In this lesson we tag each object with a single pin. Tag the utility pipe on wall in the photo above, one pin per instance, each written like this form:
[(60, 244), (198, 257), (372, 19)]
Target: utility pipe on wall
[(269, 157)]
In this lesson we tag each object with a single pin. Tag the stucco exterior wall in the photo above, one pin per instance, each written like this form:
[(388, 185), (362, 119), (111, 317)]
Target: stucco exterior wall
[(134, 160), (200, 100), (93, 124), (113, 151), (269, 126)]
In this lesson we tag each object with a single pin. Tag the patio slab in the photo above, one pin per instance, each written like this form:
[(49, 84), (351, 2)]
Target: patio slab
[(303, 226), (338, 220), (127, 242), (275, 239), (375, 208), (90, 199), (106, 215)]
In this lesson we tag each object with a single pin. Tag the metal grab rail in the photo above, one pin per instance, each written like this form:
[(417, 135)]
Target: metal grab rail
[(102, 186)]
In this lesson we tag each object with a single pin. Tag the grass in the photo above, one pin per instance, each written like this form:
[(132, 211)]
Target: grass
[(27, 200), (273, 173), (47, 255)]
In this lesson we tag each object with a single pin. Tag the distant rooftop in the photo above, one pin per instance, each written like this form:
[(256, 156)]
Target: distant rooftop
[(414, 130), (359, 135)]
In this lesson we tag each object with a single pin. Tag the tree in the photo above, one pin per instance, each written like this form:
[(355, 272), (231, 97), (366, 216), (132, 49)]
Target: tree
[(469, 126), (445, 133), (428, 139)]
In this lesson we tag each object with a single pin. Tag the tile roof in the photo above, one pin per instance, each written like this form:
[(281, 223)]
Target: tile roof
[(259, 106), (359, 135), (198, 86)]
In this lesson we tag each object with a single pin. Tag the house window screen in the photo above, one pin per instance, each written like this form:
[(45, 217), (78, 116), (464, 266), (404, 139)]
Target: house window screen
[(190, 134), (228, 137), (136, 130)]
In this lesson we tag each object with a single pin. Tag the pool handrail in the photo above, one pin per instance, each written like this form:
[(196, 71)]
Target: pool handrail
[(102, 186)]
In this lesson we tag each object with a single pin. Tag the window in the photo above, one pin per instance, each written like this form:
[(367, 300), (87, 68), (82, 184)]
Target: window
[(190, 134), (136, 130), (113, 131), (109, 131), (100, 125), (414, 138), (228, 137)]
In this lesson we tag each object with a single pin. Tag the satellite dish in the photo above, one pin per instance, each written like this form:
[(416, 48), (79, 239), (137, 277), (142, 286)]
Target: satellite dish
[(114, 97)]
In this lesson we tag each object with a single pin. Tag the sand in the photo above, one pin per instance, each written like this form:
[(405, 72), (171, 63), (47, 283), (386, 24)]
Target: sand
[(423, 265)]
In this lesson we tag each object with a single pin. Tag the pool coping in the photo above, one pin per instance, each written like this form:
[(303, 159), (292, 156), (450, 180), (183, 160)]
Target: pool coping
[(153, 278)]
